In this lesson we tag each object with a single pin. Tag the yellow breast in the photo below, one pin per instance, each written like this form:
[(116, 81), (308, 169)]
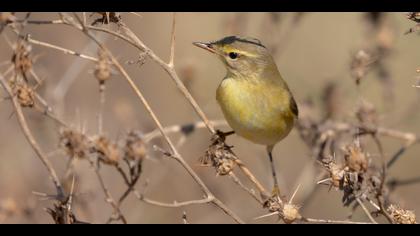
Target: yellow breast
[(257, 111)]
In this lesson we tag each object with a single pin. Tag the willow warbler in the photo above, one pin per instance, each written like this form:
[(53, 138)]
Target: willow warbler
[(254, 98)]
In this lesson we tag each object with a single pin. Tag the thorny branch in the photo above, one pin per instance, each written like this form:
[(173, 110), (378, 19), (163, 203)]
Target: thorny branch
[(326, 131), (31, 139)]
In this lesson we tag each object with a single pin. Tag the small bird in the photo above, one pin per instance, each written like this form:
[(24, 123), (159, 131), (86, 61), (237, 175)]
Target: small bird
[(254, 98)]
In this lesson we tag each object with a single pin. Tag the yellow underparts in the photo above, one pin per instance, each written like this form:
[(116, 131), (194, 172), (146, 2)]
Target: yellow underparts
[(258, 111)]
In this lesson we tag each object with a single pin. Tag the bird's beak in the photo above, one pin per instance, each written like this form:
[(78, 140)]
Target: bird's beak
[(206, 46)]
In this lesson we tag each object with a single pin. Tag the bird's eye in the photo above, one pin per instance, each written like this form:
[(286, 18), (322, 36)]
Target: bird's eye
[(233, 55)]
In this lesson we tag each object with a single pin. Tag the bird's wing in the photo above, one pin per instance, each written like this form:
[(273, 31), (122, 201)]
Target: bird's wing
[(293, 107)]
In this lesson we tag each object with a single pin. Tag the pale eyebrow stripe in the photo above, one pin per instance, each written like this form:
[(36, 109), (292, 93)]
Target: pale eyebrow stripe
[(243, 53)]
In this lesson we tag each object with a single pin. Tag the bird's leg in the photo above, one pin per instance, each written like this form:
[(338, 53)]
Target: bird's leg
[(276, 189)]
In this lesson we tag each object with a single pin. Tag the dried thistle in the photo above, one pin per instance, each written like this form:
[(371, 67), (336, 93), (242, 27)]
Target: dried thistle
[(414, 16), (355, 158), (21, 58), (7, 17), (24, 94), (401, 216), (103, 68), (366, 113), (220, 155), (290, 213), (360, 65), (135, 148), (107, 151), (61, 214), (107, 17), (274, 204), (74, 143), (336, 172)]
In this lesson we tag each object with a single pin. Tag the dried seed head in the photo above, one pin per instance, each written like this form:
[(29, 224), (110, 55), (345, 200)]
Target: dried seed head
[(274, 204), (220, 156), (402, 216), (135, 148), (24, 94), (225, 166), (22, 57), (355, 158), (290, 213), (7, 17), (107, 151), (414, 16), (103, 69), (360, 65), (61, 214), (336, 171), (107, 17), (366, 113), (74, 143)]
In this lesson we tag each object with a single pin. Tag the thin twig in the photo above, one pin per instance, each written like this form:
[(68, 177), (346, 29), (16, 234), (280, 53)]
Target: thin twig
[(311, 220), (31, 139), (366, 211), (174, 204), (185, 129), (172, 55), (109, 198), (251, 192), (64, 50), (253, 179)]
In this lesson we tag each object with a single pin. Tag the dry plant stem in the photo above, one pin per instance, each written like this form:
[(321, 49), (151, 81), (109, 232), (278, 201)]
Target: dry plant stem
[(366, 211), (50, 115), (237, 181), (398, 182), (379, 193), (252, 178), (169, 68), (175, 153), (172, 55), (64, 50), (178, 128), (135, 41), (311, 220), (31, 139), (175, 204), (209, 195), (109, 199)]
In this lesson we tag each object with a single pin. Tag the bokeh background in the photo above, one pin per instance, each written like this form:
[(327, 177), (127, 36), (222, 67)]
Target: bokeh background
[(311, 50)]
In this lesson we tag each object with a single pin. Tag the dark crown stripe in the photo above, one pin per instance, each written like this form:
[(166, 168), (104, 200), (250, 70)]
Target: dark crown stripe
[(232, 39)]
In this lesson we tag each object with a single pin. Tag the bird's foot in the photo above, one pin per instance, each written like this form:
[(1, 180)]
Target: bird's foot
[(276, 191)]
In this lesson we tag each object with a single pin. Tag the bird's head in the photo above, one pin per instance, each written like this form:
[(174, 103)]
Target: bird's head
[(242, 56)]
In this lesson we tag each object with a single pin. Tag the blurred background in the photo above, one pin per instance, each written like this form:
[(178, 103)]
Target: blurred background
[(312, 50)]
